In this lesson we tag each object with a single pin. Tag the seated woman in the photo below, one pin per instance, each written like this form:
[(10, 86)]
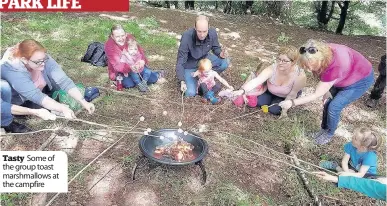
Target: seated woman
[(116, 49), (284, 80), (32, 73)]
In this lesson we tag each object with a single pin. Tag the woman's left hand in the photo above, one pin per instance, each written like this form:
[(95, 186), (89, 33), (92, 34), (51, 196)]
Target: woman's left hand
[(286, 104), (89, 107)]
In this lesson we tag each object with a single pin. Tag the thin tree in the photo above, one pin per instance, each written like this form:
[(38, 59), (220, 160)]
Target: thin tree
[(324, 14), (343, 16)]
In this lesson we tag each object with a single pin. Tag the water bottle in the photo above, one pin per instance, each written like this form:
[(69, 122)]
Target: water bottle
[(119, 82)]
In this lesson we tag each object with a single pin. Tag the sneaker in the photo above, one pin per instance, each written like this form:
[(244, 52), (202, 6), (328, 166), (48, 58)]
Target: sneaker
[(317, 134), (161, 79), (15, 127), (142, 86), (324, 138), (329, 165), (372, 103)]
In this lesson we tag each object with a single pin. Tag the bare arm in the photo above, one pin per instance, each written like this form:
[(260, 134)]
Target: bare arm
[(76, 94), (260, 79), (344, 162), (19, 110), (321, 89), (223, 81)]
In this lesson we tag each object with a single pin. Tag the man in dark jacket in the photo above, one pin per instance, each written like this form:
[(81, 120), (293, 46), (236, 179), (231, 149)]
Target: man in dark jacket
[(379, 85), (195, 44)]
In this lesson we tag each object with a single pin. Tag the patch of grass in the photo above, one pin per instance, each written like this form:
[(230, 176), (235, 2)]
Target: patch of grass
[(74, 168), (283, 38), (229, 194), (67, 37), (85, 134), (149, 22), (11, 199)]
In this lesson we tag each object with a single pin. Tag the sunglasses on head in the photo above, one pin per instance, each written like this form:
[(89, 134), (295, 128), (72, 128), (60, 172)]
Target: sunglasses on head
[(310, 50)]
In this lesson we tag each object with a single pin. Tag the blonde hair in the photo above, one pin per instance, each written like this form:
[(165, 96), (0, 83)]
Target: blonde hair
[(203, 64), (366, 138), (323, 56), (27, 48), (291, 52), (132, 43)]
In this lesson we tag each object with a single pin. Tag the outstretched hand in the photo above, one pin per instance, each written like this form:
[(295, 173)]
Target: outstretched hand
[(326, 176), (286, 104)]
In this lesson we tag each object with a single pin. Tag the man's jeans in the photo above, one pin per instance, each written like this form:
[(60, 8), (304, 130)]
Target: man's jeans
[(128, 82), (6, 94), (218, 65), (145, 75), (341, 98)]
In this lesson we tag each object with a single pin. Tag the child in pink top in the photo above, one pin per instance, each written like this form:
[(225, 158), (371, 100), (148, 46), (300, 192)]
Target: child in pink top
[(206, 82), (139, 73)]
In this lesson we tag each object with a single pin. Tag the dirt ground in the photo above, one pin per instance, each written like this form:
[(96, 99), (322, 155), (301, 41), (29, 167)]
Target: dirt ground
[(235, 177)]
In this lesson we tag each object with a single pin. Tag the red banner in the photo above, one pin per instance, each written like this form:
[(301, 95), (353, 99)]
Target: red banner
[(63, 5)]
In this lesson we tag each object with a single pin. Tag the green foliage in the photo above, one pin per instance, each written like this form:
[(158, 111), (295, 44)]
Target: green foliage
[(12, 199), (283, 38)]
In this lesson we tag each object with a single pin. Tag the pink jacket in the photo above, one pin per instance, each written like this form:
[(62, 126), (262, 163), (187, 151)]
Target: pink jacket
[(114, 52)]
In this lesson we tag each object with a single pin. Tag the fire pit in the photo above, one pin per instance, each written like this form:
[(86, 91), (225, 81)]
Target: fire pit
[(166, 137)]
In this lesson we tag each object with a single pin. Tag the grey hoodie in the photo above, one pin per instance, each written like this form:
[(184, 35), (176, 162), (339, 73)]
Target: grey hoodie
[(23, 88)]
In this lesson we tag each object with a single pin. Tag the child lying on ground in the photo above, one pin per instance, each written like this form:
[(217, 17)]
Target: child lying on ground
[(360, 158), (206, 83)]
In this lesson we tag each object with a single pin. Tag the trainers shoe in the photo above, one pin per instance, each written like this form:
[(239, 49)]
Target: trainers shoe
[(142, 86), (317, 134), (324, 138), (372, 103), (329, 165), (15, 127)]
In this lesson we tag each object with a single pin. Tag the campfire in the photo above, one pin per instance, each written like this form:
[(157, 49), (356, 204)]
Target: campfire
[(179, 150)]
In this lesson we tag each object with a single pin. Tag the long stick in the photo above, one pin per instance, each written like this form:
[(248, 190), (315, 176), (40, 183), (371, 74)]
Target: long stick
[(305, 181), (280, 153), (239, 148), (84, 168)]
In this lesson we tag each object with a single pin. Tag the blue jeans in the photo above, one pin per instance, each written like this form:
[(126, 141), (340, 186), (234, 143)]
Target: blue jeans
[(218, 65), (342, 96), (133, 79), (145, 74), (6, 94)]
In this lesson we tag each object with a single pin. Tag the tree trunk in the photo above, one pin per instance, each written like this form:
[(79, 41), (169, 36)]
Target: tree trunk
[(189, 4), (343, 16), (248, 6), (324, 14), (274, 8), (227, 8), (216, 5)]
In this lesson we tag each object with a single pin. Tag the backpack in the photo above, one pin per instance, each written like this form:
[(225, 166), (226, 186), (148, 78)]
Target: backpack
[(95, 55)]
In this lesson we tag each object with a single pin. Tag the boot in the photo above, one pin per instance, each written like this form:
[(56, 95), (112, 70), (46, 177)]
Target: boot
[(15, 127), (142, 86), (211, 97), (372, 103)]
